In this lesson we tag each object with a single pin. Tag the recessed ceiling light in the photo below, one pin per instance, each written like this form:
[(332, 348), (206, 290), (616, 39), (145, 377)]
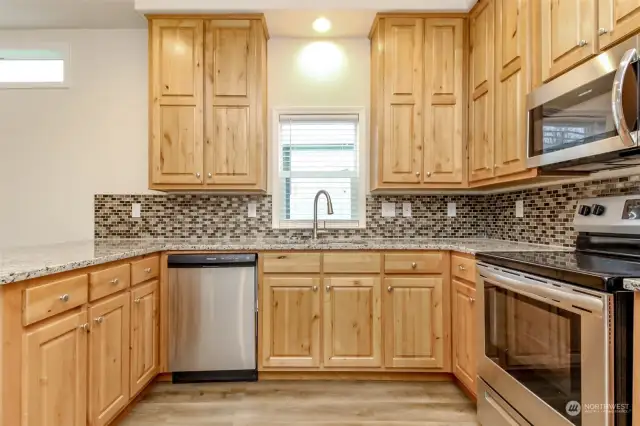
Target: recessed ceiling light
[(322, 25)]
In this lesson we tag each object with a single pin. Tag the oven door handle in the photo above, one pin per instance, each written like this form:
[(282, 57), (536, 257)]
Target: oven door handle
[(539, 290), (629, 57)]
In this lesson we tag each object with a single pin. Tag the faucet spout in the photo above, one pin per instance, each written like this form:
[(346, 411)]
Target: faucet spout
[(315, 210)]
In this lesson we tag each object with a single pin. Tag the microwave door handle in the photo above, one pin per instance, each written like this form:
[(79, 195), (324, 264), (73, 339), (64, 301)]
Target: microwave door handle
[(629, 57)]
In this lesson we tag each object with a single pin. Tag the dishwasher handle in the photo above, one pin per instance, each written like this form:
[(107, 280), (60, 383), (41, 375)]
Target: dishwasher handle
[(220, 260)]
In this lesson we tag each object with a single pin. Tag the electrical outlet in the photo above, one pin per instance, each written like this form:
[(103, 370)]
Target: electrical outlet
[(406, 209), (388, 209), (136, 209), (251, 209), (451, 209), (519, 208)]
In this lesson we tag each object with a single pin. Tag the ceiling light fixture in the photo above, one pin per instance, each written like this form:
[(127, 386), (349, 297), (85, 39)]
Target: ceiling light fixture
[(322, 25)]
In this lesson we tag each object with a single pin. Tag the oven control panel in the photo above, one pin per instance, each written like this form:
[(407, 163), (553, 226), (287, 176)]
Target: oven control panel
[(617, 215)]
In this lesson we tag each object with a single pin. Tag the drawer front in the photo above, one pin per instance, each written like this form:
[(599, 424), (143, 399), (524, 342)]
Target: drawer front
[(291, 263), (108, 281), (463, 267), (351, 263), (145, 269), (50, 299), (415, 263)]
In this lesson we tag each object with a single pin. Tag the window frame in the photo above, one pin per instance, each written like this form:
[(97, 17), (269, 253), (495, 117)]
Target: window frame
[(277, 192), (62, 48)]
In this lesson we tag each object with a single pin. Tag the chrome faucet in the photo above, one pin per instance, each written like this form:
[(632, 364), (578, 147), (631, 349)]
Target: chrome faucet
[(315, 210)]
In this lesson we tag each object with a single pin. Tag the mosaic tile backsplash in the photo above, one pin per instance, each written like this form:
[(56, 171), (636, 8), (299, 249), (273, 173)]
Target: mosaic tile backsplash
[(548, 214)]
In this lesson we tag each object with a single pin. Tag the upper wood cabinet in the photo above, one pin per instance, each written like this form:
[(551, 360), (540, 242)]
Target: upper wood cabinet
[(208, 104), (617, 20), (417, 125), (54, 374), (481, 91)]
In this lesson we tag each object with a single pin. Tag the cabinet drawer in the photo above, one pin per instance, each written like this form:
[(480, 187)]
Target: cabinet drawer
[(50, 299), (145, 269), (291, 263), (108, 281), (352, 263), (463, 267), (415, 263)]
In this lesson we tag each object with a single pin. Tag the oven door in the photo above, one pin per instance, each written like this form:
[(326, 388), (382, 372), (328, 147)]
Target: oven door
[(544, 347), (591, 110)]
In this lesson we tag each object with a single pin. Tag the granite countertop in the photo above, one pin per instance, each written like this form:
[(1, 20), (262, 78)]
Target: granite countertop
[(632, 284), (31, 262)]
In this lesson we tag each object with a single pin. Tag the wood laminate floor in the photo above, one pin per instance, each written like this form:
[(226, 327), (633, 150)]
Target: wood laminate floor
[(304, 403)]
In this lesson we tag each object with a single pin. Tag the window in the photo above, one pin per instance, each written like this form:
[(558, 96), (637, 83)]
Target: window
[(34, 67), (319, 151)]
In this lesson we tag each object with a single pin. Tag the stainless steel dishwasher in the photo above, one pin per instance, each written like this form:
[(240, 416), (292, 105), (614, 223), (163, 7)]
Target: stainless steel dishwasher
[(212, 317)]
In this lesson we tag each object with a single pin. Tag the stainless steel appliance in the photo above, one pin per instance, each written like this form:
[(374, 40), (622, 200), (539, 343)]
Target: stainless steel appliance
[(588, 119), (556, 328), (212, 317)]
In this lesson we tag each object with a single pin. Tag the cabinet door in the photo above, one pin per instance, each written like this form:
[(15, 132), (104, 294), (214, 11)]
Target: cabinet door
[(144, 335), (618, 19), (291, 322), (403, 77), (352, 323), (481, 143), (177, 101), (464, 327), (54, 373), (233, 146), (444, 104), (414, 322), (108, 359), (511, 87), (568, 34)]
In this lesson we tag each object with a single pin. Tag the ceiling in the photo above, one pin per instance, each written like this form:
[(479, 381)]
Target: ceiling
[(285, 18)]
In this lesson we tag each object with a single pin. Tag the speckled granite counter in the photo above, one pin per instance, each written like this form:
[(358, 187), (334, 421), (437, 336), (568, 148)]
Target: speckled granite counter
[(31, 262), (632, 284)]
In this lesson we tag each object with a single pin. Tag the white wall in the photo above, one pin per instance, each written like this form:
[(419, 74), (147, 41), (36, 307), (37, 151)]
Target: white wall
[(58, 147)]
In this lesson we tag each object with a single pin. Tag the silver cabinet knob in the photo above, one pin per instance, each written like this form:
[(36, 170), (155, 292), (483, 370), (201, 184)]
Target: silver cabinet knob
[(472, 300), (84, 327), (602, 31), (197, 175), (461, 267), (414, 265), (389, 289), (495, 166), (209, 175), (582, 43), (315, 288), (328, 287), (147, 270), (137, 300), (417, 173), (114, 281), (428, 174), (64, 298), (99, 320)]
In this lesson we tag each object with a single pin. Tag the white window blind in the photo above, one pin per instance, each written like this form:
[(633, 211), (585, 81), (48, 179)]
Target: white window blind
[(33, 67), (319, 152)]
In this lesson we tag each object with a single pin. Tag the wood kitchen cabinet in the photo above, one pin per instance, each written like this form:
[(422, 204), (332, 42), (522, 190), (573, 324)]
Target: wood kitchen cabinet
[(291, 321), (208, 104), (417, 129), (54, 374), (464, 326), (144, 335), (414, 317), (108, 359), (617, 19), (352, 332)]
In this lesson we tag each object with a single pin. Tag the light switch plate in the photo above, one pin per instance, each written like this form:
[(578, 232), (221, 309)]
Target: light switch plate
[(519, 208), (451, 209), (251, 209), (406, 209), (136, 209), (388, 209)]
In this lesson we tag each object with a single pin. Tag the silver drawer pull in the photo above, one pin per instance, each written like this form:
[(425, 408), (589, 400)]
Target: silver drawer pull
[(84, 327), (389, 289), (114, 281), (582, 43), (315, 288), (462, 268), (472, 300), (328, 288), (64, 298), (147, 270), (414, 265), (99, 320), (137, 300)]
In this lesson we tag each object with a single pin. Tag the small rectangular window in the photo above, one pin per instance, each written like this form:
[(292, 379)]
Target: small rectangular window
[(33, 67), (319, 151)]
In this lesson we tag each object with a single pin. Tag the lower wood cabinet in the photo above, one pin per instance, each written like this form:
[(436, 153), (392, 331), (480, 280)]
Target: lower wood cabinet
[(414, 322), (352, 322), (108, 359), (291, 321), (464, 334), (144, 335), (54, 373)]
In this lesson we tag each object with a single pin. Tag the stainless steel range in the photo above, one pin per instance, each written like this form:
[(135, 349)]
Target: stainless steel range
[(556, 328)]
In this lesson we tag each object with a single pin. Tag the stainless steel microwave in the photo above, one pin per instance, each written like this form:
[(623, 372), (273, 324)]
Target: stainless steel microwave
[(588, 119)]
